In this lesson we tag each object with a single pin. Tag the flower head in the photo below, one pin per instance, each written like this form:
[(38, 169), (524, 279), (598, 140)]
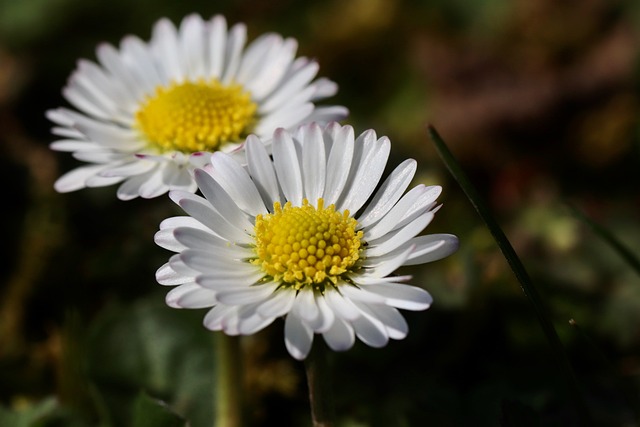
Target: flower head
[(303, 234), (149, 112)]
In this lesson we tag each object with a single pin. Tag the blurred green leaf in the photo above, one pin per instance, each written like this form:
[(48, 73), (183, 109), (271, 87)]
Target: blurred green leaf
[(149, 346), (622, 250), (34, 415), (150, 412)]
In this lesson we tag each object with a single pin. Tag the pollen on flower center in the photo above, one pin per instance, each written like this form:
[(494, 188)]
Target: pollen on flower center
[(306, 245), (196, 116)]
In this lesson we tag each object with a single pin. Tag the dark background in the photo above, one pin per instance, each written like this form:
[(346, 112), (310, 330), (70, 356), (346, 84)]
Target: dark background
[(538, 99)]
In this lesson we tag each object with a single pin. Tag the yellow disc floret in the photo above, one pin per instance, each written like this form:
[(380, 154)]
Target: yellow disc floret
[(196, 116), (306, 245)]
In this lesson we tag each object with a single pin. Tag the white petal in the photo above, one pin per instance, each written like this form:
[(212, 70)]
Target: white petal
[(217, 45), (278, 304), (391, 264), (305, 306), (297, 337), (389, 193), (395, 325), (182, 221), (216, 317), (201, 210), (325, 317), (261, 170), (76, 178), (432, 248), (223, 280), (360, 294), (400, 237), (288, 117), (340, 336), (135, 167), (235, 44), (325, 114), (251, 322), (370, 331), (169, 277), (415, 201), (202, 240), (339, 163), (287, 166), (237, 183), (166, 240), (313, 162), (154, 185), (245, 295), (402, 296), (192, 33), (293, 85), (207, 263), (190, 296), (366, 176), (166, 49), (224, 204), (341, 306)]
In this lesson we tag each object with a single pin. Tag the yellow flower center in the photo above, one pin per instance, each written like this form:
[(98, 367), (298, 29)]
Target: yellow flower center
[(306, 245), (196, 116)]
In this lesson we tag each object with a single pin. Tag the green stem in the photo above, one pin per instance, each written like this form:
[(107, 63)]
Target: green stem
[(518, 269), (228, 393), (319, 383)]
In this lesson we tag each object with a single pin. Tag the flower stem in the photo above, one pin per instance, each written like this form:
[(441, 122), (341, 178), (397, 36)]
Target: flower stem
[(228, 394), (319, 382)]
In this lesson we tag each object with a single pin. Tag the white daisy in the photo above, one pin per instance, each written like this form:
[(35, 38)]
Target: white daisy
[(303, 235), (148, 112)]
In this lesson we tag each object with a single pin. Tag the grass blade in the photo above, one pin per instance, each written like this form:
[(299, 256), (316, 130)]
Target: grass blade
[(608, 237), (518, 269)]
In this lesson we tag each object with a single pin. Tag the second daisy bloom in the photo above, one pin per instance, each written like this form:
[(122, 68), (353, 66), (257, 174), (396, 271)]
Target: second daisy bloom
[(304, 234), (149, 112)]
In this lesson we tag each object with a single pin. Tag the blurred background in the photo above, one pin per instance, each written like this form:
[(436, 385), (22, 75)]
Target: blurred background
[(538, 99)]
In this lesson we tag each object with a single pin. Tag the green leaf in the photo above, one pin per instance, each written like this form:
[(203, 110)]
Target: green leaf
[(150, 412), (149, 346)]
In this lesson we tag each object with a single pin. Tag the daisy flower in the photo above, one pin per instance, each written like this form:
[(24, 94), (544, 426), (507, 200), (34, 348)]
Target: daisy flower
[(147, 113), (303, 234)]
